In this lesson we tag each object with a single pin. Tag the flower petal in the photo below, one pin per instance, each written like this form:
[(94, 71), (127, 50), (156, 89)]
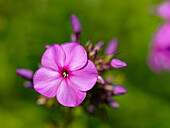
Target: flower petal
[(76, 56), (69, 96), (53, 57), (85, 78), (46, 82)]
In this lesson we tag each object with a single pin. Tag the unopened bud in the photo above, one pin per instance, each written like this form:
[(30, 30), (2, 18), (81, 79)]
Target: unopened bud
[(119, 90), (47, 46), (73, 38), (28, 84), (112, 103), (111, 47), (75, 23), (91, 108), (100, 79), (108, 87), (98, 46), (41, 100), (25, 73), (116, 63)]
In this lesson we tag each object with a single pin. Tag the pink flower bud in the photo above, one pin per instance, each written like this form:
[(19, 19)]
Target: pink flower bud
[(116, 63), (75, 23), (73, 38), (112, 103), (91, 108), (28, 84), (119, 90), (111, 47), (25, 73), (101, 80)]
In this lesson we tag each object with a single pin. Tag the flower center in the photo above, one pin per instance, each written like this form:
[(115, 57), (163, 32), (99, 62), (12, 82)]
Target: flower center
[(65, 73)]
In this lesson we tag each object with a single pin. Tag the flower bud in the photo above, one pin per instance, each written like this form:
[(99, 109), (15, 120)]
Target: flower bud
[(42, 100), (96, 49), (75, 23), (73, 38), (88, 46), (47, 46), (28, 84), (119, 90), (116, 63), (91, 108), (98, 46), (25, 73), (108, 87), (101, 80), (111, 47), (112, 103)]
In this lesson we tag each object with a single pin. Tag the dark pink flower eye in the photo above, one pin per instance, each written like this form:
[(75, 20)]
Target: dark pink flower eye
[(65, 73)]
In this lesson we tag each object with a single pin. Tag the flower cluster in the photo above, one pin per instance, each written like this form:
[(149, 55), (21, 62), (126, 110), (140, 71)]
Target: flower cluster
[(74, 74), (159, 55)]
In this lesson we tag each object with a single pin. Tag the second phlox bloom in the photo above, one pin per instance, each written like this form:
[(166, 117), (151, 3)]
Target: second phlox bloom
[(159, 55), (66, 73)]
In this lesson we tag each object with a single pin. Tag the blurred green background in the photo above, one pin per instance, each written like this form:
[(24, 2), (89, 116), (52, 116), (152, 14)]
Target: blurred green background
[(26, 26)]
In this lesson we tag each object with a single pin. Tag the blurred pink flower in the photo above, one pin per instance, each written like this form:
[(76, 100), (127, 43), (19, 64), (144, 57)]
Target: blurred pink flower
[(164, 10), (159, 56), (66, 74)]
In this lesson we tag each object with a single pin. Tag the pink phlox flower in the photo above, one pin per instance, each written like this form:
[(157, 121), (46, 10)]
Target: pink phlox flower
[(66, 74)]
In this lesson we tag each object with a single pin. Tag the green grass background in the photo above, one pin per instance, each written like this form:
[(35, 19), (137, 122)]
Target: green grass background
[(26, 26)]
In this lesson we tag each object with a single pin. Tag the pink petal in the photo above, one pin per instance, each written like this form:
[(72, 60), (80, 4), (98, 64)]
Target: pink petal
[(69, 96), (53, 57), (85, 78), (116, 63), (76, 56), (46, 82)]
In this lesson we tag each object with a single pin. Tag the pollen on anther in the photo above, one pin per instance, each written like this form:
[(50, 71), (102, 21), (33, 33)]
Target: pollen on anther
[(65, 74)]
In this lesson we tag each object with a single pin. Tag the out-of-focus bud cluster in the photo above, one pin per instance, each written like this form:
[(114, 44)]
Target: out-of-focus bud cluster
[(104, 90)]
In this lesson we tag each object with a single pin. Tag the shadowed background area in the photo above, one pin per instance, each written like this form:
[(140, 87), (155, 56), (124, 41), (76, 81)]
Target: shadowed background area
[(27, 26)]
